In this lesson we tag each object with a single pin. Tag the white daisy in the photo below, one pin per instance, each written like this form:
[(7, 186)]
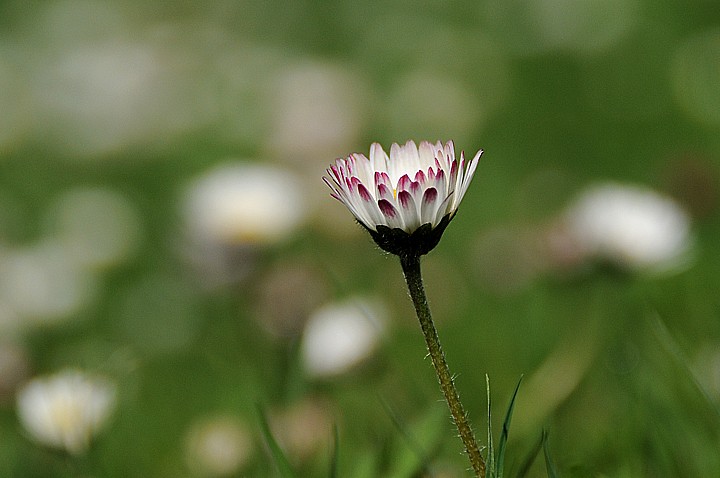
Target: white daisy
[(65, 410), (413, 189)]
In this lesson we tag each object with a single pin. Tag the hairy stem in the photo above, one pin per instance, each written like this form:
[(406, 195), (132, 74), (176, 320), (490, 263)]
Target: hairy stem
[(413, 277)]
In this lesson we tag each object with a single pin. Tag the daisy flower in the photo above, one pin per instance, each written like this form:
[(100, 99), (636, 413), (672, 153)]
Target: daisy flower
[(405, 199)]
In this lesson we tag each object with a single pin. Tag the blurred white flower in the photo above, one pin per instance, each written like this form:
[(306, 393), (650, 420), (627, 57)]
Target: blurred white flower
[(242, 203), (65, 410), (304, 428), (98, 227), (218, 446), (631, 226), (98, 97), (340, 335), (43, 283), (318, 109), (101, 82)]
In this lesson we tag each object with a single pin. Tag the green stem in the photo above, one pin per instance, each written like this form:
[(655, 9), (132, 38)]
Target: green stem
[(413, 277)]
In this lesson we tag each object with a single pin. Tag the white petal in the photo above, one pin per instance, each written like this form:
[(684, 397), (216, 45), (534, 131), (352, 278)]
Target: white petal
[(466, 178), (378, 158), (426, 154), (429, 205), (409, 209)]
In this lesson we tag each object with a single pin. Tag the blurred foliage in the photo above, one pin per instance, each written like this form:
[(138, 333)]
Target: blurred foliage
[(141, 98)]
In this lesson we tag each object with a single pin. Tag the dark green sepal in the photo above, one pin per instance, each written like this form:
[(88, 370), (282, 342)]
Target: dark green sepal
[(420, 242)]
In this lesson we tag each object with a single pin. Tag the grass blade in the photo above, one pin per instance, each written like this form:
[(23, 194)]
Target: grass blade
[(410, 442), (490, 460), (334, 455), (417, 443), (549, 466), (281, 461), (673, 348), (500, 463), (530, 458)]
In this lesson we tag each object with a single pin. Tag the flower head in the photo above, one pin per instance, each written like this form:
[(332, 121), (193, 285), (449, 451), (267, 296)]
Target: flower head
[(241, 203), (65, 410), (218, 446), (340, 335), (631, 226), (407, 199)]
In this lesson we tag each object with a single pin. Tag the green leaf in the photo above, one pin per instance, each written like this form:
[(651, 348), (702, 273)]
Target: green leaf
[(500, 463), (549, 466), (530, 458), (417, 442), (334, 455), (281, 461), (490, 460), (411, 443)]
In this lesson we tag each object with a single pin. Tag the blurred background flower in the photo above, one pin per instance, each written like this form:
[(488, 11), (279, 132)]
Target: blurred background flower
[(341, 335), (218, 446), (234, 210), (41, 283), (65, 410), (633, 227), (244, 204)]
